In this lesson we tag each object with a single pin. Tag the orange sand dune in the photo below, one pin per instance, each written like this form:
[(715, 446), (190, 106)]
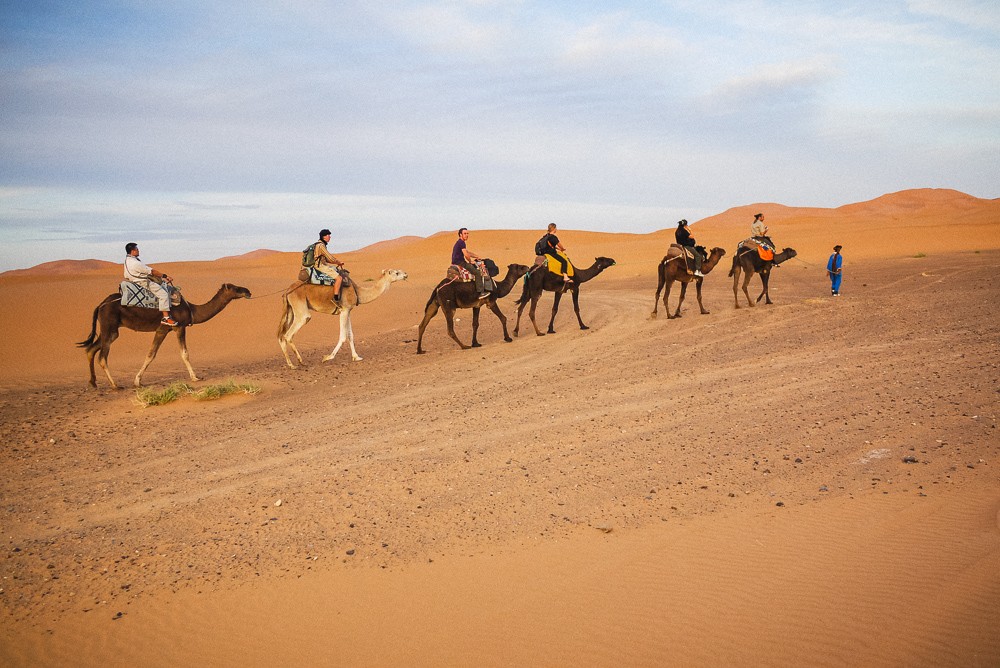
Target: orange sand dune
[(813, 482)]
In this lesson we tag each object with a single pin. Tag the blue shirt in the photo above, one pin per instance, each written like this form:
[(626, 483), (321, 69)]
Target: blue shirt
[(834, 264)]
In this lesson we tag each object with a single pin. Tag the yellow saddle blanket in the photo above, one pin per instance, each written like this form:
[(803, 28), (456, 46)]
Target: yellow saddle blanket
[(554, 266)]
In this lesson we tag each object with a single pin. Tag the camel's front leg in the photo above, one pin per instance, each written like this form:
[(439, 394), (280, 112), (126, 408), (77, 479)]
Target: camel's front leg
[(182, 340), (503, 319), (555, 309), (475, 327), (764, 293), (576, 306), (161, 333), (704, 311)]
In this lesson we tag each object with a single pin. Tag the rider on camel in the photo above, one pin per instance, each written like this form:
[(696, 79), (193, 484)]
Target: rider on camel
[(684, 238)]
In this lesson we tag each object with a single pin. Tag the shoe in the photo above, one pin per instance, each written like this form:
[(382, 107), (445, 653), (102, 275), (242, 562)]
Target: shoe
[(484, 295), (169, 322), (698, 274)]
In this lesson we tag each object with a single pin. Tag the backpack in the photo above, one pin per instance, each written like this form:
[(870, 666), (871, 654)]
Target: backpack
[(542, 245), (309, 255)]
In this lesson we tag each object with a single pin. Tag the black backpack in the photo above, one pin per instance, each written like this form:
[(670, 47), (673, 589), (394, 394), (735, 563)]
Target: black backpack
[(542, 245)]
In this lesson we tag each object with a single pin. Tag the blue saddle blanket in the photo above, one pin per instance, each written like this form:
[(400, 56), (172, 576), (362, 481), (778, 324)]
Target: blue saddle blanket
[(134, 294)]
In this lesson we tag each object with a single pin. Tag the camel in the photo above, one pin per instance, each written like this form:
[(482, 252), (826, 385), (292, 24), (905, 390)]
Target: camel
[(542, 279), (113, 316), (301, 298), (672, 269), (748, 261), (451, 295)]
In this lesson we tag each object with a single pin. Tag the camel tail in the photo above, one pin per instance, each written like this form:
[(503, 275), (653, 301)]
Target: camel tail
[(732, 270), (89, 341), (430, 301)]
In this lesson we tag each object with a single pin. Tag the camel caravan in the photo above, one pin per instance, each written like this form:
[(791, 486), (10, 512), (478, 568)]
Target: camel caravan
[(147, 300)]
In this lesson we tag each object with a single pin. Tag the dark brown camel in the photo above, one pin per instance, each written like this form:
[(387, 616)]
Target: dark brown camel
[(672, 268), (113, 316), (542, 279), (748, 261), (450, 296)]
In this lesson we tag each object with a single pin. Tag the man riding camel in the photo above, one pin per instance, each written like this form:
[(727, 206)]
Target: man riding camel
[(463, 257), (758, 233), (684, 238), (150, 279), (327, 264)]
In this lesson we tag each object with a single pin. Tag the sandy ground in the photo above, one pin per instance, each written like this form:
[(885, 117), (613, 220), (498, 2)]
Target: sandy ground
[(815, 482)]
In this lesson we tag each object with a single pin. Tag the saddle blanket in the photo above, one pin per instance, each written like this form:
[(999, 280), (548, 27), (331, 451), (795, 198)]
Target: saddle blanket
[(318, 277), (457, 273), (134, 294), (553, 265), (137, 295), (765, 253)]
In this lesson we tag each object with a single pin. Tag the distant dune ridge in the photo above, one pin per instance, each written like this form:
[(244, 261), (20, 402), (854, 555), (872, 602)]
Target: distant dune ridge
[(948, 217)]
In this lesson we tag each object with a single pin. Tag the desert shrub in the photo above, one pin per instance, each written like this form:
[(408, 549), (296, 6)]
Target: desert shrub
[(146, 397)]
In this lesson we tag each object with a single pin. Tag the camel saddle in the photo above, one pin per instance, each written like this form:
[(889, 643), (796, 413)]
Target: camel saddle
[(687, 252), (553, 265), (766, 254), (460, 274), (315, 277), (137, 295)]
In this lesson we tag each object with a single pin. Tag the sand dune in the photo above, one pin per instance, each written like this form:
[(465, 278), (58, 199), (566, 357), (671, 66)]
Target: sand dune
[(810, 483)]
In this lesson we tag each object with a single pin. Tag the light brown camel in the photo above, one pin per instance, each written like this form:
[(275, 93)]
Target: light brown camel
[(542, 279), (672, 268), (748, 261), (113, 316), (450, 295), (301, 298)]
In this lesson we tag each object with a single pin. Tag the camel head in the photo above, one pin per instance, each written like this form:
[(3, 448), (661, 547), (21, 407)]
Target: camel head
[(718, 251), (394, 275), (603, 263), (787, 254), (234, 291), (516, 271)]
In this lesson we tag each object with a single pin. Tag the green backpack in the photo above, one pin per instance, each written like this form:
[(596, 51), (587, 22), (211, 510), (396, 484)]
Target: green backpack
[(309, 255)]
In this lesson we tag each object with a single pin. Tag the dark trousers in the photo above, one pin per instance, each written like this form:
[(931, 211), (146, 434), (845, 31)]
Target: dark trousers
[(563, 264)]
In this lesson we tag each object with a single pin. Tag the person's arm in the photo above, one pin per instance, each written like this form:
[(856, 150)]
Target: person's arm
[(469, 255)]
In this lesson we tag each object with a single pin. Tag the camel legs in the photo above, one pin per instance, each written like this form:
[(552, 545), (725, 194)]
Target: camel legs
[(346, 334), (704, 311), (102, 356), (300, 316), (680, 300), (429, 312), (503, 319), (764, 293), (158, 337), (555, 309), (475, 328), (531, 312), (520, 309), (576, 307), (449, 316), (659, 288)]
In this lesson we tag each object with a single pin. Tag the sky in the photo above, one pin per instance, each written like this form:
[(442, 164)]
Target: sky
[(202, 128)]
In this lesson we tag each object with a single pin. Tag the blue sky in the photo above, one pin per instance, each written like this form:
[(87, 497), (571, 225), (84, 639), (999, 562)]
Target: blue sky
[(203, 129)]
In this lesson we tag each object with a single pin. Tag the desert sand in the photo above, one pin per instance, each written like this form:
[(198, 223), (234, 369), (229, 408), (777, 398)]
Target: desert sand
[(813, 482)]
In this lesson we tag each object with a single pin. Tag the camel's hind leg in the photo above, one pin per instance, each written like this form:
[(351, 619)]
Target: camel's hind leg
[(747, 275), (300, 316), (736, 282), (91, 354), (661, 280), (449, 316), (161, 333), (102, 355), (429, 312)]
